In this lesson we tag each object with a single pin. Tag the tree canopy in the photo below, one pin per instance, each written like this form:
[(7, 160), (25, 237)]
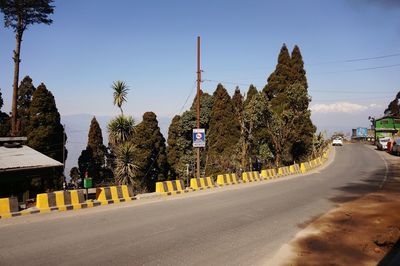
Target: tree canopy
[(223, 135)]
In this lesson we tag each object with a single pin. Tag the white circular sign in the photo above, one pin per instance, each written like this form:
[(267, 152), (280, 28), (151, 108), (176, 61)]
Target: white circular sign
[(199, 136)]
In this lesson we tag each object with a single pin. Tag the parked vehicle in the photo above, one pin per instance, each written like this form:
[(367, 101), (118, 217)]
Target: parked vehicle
[(396, 147), (337, 142), (382, 143)]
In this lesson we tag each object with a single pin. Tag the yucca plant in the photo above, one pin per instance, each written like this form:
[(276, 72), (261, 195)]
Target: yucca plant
[(120, 92), (120, 129), (125, 170)]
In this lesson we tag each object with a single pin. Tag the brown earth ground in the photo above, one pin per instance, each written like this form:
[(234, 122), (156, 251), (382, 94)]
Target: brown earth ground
[(362, 230)]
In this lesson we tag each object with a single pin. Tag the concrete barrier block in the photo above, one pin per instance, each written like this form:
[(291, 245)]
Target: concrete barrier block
[(8, 206)]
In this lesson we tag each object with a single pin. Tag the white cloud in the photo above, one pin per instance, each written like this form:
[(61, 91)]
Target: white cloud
[(340, 107)]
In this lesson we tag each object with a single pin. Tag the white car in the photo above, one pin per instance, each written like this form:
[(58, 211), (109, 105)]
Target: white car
[(337, 142), (382, 143)]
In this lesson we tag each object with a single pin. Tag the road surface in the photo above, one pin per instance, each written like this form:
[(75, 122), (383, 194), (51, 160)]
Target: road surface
[(238, 225)]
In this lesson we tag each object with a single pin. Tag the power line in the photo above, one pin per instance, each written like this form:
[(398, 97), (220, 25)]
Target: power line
[(187, 98), (358, 59), (351, 60), (358, 69)]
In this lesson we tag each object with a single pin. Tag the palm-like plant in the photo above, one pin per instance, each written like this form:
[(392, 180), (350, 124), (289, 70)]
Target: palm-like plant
[(125, 170), (120, 129), (120, 92)]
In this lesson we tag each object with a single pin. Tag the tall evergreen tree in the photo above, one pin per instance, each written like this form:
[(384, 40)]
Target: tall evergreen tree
[(251, 92), (224, 133), (25, 92), (95, 141), (45, 132), (92, 159), (298, 73), (183, 145), (285, 121), (150, 152), (237, 100), (19, 15), (305, 130), (173, 149), (279, 80)]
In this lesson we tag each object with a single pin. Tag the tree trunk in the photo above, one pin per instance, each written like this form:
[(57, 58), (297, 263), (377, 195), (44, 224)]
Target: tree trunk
[(14, 114)]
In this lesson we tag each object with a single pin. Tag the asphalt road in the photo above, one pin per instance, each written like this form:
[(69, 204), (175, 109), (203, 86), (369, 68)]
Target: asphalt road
[(238, 225)]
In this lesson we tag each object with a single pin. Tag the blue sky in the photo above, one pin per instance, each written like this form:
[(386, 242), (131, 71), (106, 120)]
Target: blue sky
[(151, 45)]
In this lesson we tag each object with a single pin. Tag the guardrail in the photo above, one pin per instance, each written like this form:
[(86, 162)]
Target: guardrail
[(74, 199)]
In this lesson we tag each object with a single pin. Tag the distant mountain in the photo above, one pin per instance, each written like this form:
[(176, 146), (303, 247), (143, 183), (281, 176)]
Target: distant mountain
[(77, 129)]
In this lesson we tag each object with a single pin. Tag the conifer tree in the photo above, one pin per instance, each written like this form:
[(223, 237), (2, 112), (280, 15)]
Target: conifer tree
[(25, 92), (279, 80), (150, 152), (173, 149), (95, 141), (237, 100), (183, 145), (304, 131), (298, 73), (45, 132), (92, 159), (224, 133), (19, 15), (252, 91)]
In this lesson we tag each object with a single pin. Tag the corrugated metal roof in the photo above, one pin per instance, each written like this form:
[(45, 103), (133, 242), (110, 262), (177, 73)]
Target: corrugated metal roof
[(24, 158)]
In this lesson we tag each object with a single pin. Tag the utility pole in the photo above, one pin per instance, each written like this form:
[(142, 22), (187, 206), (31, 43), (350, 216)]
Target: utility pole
[(198, 102)]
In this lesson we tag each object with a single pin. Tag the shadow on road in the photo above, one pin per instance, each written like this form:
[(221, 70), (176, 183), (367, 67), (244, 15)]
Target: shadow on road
[(355, 190)]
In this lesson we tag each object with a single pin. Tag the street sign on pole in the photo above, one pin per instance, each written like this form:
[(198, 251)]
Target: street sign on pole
[(199, 138)]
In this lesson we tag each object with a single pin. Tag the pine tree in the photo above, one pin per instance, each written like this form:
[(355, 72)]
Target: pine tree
[(45, 132), (92, 158), (237, 100), (284, 123), (95, 141), (302, 141), (206, 103), (173, 149), (279, 80), (224, 134), (25, 92), (298, 73), (183, 146), (251, 92), (150, 152), (19, 15)]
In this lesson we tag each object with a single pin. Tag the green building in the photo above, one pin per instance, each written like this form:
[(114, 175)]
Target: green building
[(387, 126)]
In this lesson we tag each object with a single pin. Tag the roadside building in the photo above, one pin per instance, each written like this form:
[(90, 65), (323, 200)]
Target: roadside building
[(387, 126), (24, 172), (362, 134)]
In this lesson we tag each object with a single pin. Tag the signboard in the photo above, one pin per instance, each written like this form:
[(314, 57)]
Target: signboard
[(362, 132), (199, 138)]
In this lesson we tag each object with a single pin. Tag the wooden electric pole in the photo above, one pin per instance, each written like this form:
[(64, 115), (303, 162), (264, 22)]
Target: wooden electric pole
[(198, 102)]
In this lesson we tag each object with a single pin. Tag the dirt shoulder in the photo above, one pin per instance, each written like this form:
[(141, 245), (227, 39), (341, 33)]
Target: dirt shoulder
[(360, 231)]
